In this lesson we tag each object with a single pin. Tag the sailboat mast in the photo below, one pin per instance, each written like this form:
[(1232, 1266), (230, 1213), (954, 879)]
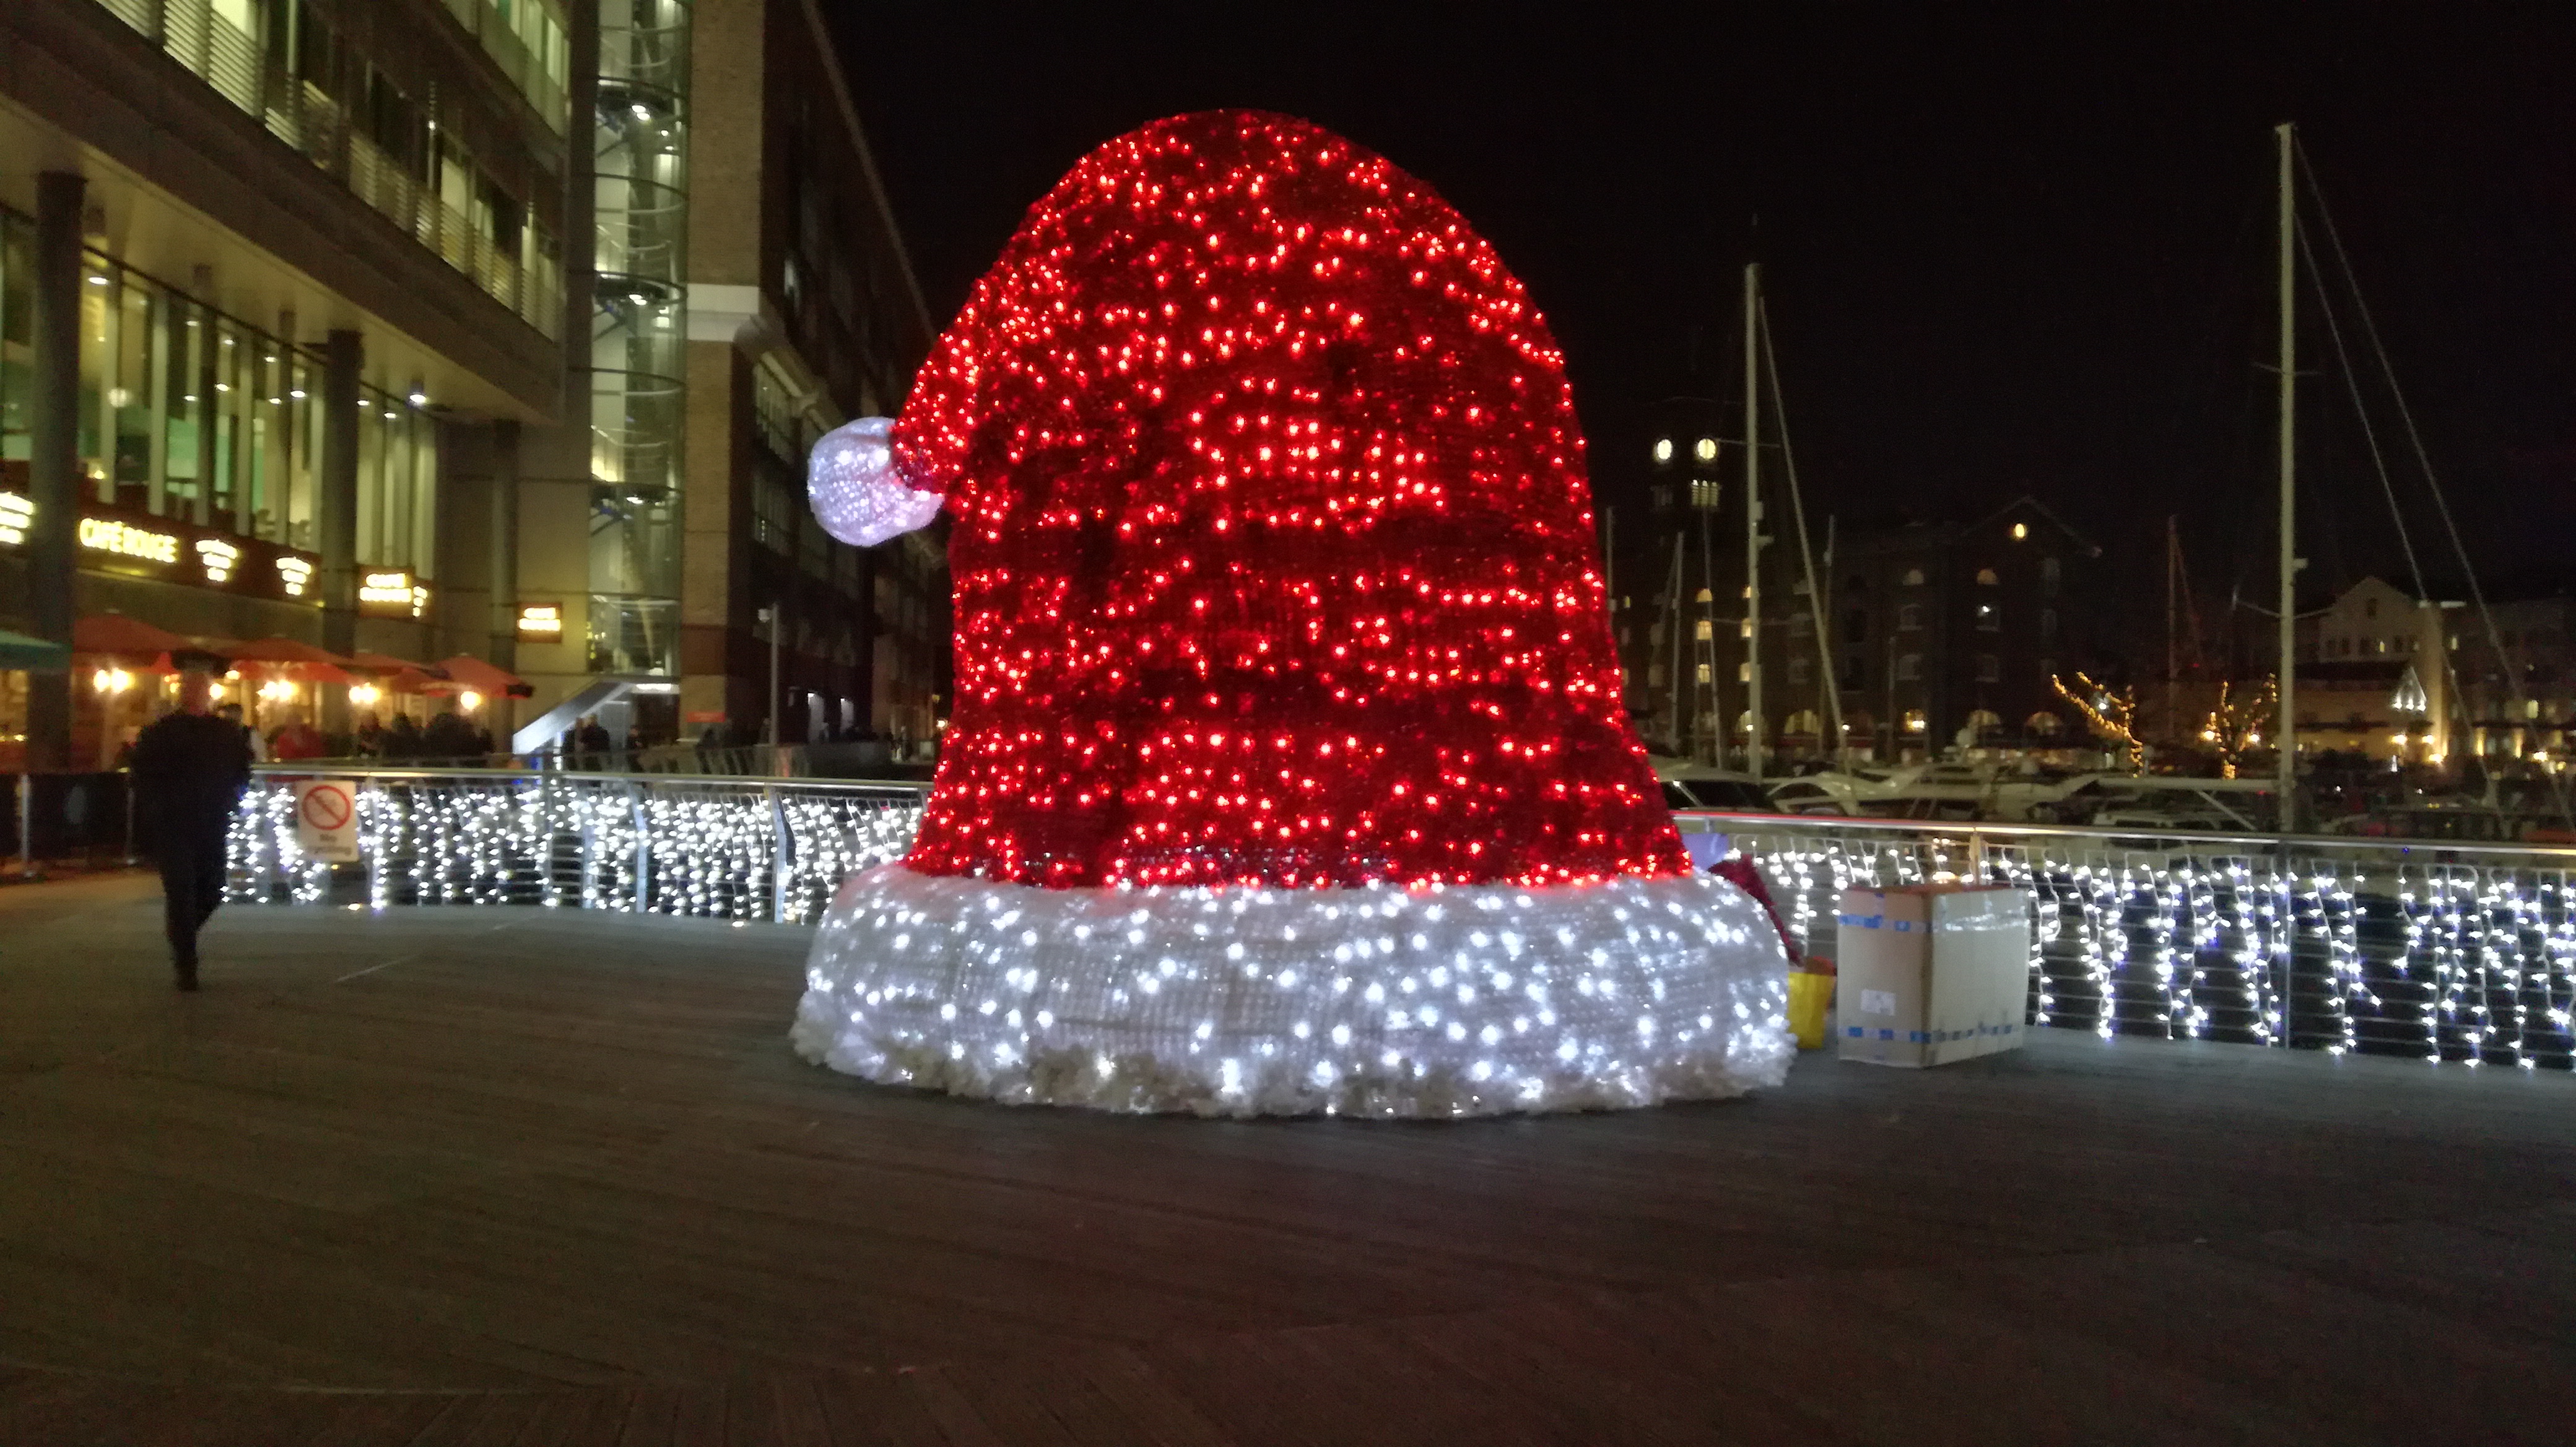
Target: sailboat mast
[(1752, 522), (2285, 730), (2173, 567), (1676, 616)]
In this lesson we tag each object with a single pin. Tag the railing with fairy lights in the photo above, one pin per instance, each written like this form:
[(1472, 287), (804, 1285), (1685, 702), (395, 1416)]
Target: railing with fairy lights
[(713, 848), (2441, 951)]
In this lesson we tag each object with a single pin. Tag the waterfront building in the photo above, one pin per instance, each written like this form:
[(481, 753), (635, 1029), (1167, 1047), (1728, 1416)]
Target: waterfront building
[(376, 326), (1951, 632), (2412, 680)]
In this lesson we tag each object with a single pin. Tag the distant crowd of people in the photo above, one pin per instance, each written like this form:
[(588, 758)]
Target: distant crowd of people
[(448, 737)]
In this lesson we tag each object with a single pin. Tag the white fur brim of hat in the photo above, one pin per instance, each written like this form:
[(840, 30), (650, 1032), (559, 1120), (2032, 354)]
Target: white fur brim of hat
[(1430, 1002)]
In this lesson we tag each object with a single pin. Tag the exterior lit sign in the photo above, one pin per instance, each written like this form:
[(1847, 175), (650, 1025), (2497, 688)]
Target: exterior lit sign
[(107, 535), (541, 621), (392, 593), (219, 557), (153, 547)]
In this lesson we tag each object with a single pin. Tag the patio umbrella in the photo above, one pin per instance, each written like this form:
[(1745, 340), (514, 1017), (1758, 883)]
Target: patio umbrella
[(283, 650), (490, 680), (304, 672), (17, 650), (386, 663), (126, 637), (412, 679)]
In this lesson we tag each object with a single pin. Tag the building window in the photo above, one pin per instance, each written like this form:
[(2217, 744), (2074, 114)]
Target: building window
[(1909, 618), (1909, 667), (2048, 575), (1663, 499), (1856, 626), (1990, 669), (1986, 578), (1704, 631), (2043, 725), (1915, 723), (183, 413), (1854, 671), (1799, 673), (2047, 624), (1654, 675), (1802, 625), (2369, 607), (1704, 493), (1990, 619), (1913, 578), (1743, 671), (1704, 673)]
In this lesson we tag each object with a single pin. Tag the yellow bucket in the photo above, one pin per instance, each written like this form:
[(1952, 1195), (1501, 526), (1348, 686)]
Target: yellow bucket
[(1811, 1004)]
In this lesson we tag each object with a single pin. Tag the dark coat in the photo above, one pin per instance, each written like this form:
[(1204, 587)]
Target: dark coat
[(448, 737), (190, 770)]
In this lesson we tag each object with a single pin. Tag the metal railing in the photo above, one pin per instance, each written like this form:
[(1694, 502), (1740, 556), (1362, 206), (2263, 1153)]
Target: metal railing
[(740, 849), (2445, 952)]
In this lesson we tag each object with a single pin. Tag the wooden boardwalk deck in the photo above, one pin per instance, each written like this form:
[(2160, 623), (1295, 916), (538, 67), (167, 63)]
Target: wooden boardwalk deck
[(526, 1176)]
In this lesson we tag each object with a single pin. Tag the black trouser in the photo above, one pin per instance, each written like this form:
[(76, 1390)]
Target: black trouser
[(192, 884)]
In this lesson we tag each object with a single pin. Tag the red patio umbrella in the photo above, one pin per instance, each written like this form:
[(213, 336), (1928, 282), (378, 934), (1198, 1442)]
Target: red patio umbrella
[(282, 650), (416, 680), (487, 679), (114, 633)]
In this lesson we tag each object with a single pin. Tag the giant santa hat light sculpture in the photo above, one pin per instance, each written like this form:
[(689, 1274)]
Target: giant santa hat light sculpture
[(1288, 770)]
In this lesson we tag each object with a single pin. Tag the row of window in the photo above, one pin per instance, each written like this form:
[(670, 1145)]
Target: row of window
[(2372, 647), (185, 413), (286, 63), (1988, 668), (2050, 575)]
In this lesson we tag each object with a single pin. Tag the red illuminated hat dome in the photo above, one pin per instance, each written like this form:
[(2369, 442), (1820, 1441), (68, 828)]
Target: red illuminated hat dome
[(1272, 544)]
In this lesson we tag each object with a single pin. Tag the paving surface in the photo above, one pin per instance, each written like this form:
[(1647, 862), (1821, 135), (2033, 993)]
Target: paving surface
[(529, 1176)]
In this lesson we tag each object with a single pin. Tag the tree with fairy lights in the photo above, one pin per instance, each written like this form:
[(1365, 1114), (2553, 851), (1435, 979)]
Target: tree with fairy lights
[(2112, 716), (2237, 723), (1287, 771)]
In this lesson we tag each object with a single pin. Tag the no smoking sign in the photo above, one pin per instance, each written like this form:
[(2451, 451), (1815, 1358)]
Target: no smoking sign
[(326, 814)]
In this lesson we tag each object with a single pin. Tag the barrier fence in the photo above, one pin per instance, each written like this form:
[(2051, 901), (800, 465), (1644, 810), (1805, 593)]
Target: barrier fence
[(2446, 952)]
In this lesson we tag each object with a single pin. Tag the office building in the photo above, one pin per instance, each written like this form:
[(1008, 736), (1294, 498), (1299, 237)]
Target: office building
[(376, 326)]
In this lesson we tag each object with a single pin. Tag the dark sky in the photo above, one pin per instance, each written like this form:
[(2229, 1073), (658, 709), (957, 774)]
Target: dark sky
[(2004, 251)]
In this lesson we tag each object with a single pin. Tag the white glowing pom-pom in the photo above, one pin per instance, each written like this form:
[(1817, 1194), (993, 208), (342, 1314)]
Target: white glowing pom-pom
[(855, 490), (1442, 1002)]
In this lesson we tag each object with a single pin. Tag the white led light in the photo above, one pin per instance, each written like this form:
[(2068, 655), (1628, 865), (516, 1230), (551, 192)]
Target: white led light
[(856, 491), (1234, 1022)]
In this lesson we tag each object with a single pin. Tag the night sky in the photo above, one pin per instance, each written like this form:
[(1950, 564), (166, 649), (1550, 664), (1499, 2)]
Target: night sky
[(2016, 253)]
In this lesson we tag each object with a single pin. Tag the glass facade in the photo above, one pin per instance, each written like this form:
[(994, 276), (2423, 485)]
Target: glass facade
[(288, 63), (197, 418), (638, 334)]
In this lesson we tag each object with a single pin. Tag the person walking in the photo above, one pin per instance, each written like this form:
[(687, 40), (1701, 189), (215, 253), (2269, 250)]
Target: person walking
[(190, 768)]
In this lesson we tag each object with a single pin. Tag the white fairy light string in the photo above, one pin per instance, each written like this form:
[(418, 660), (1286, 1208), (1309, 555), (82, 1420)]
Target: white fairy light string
[(2400, 956), (856, 491), (1384, 1001)]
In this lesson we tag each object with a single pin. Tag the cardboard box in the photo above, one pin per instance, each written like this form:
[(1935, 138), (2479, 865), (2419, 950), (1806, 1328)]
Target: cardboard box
[(1932, 973)]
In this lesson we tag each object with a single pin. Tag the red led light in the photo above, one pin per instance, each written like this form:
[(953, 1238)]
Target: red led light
[(1272, 543)]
